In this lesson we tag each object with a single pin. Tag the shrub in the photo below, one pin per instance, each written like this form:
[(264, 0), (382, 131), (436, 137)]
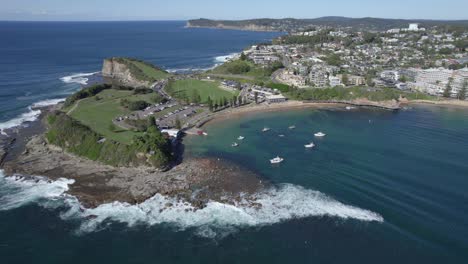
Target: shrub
[(137, 105), (85, 93)]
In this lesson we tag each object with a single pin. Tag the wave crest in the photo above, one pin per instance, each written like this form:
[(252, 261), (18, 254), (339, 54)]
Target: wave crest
[(79, 78), (275, 205)]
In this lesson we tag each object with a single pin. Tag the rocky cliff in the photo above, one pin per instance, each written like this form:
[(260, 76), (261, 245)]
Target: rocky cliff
[(121, 71)]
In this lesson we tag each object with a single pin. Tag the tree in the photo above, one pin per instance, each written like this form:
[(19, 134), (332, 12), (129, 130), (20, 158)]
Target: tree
[(369, 80), (178, 124), (243, 56), (256, 97), (448, 88), (462, 93), (151, 121), (195, 97), (403, 79), (210, 103), (345, 79)]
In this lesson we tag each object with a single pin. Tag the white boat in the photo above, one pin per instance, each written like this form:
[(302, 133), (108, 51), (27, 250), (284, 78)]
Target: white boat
[(265, 129), (276, 160), (240, 138), (310, 145), (281, 135), (292, 127), (349, 108), (319, 134), (205, 134), (235, 144)]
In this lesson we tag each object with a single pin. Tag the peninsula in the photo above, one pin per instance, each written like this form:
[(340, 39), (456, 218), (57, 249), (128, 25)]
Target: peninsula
[(122, 139)]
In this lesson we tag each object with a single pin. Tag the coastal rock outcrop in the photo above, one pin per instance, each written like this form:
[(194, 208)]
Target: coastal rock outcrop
[(119, 70)]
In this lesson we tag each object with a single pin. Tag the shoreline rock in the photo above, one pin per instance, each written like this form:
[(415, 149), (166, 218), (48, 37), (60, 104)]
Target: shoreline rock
[(196, 180)]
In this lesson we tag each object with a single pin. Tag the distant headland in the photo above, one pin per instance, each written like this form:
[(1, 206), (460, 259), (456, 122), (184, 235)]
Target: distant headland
[(293, 25)]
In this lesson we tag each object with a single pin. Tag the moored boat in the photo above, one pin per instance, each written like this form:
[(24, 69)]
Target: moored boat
[(310, 145), (319, 134), (276, 160)]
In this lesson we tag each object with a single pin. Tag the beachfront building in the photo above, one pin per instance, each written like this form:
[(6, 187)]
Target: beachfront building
[(334, 81), (275, 98), (174, 133), (318, 78)]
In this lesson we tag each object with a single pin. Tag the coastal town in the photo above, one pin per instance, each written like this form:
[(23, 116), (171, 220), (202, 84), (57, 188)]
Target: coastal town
[(138, 114), (429, 60)]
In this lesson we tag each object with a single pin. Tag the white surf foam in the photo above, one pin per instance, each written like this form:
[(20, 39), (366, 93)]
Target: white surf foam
[(225, 58), (79, 78), (29, 116), (17, 191), (48, 102), (218, 60), (278, 204)]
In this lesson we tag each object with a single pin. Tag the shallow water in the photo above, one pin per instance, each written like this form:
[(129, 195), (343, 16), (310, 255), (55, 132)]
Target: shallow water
[(381, 187)]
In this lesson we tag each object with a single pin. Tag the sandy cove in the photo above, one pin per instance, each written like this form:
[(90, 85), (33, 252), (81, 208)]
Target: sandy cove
[(259, 108)]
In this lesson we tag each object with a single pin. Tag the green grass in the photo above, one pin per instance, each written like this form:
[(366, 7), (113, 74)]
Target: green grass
[(143, 71), (235, 68), (150, 71), (98, 115), (184, 88)]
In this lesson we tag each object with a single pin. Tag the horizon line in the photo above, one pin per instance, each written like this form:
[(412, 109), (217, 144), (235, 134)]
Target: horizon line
[(217, 19)]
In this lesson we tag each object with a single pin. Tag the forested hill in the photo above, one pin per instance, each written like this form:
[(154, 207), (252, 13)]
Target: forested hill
[(291, 24)]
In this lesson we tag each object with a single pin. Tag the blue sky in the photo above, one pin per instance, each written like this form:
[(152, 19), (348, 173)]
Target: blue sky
[(222, 9)]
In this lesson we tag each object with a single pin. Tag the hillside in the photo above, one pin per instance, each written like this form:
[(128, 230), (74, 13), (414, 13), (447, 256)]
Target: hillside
[(291, 24), (132, 72)]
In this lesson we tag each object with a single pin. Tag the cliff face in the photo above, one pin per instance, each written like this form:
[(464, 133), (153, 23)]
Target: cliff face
[(119, 71)]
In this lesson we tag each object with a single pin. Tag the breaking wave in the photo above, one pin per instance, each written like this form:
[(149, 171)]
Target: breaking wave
[(225, 58), (79, 78), (218, 60), (275, 205), (30, 116)]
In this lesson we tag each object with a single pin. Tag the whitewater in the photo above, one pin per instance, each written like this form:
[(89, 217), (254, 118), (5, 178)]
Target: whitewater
[(278, 204)]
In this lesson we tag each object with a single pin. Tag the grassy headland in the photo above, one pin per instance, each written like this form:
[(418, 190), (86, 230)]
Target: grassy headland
[(190, 89)]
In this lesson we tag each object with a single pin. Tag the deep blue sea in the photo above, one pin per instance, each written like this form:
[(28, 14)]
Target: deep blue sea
[(49, 60), (380, 187)]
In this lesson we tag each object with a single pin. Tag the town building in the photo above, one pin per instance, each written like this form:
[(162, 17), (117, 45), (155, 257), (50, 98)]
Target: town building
[(275, 98)]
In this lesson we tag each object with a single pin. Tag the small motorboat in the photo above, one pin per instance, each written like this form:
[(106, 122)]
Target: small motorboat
[(310, 145), (349, 108), (234, 144), (240, 138), (281, 135), (276, 160), (319, 134), (292, 127), (265, 129)]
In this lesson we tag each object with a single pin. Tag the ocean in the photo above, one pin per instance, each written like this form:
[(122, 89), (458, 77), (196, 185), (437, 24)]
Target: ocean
[(43, 62), (380, 187)]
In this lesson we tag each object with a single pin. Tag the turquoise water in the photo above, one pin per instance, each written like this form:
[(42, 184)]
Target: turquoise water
[(381, 187), (410, 167)]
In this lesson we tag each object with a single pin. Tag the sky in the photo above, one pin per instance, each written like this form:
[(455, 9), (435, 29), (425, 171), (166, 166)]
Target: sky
[(90, 10)]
